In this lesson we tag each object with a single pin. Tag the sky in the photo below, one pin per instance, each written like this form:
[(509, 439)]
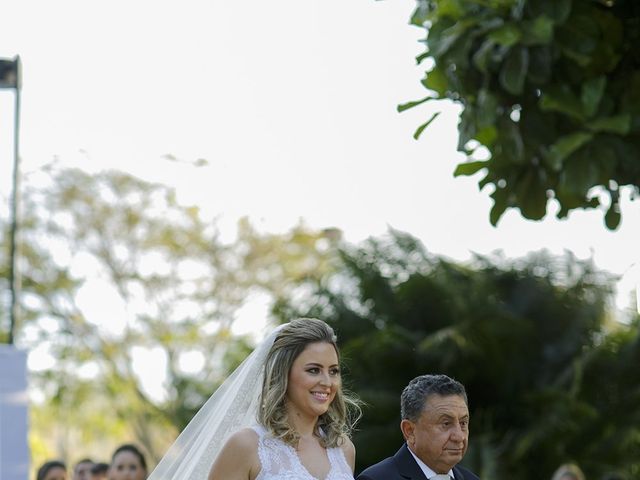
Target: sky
[(293, 105)]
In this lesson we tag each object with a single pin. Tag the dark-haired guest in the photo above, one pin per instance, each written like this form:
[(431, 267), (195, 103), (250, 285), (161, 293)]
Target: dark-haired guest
[(52, 470), (128, 463), (82, 470), (99, 471)]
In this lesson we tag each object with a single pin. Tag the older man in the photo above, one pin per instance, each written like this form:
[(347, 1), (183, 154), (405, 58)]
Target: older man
[(435, 425)]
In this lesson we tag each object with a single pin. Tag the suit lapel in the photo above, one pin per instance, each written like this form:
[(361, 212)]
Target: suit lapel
[(407, 466), (457, 473)]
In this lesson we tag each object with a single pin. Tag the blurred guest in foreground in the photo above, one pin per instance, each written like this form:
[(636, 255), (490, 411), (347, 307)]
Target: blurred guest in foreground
[(52, 470), (99, 471), (127, 463), (82, 470), (568, 471)]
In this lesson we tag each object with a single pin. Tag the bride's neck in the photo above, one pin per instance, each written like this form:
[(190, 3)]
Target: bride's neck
[(306, 427)]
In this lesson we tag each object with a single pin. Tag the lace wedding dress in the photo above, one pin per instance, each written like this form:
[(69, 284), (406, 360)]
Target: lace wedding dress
[(280, 461)]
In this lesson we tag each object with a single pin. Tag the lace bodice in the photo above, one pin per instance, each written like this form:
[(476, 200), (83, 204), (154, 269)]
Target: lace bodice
[(279, 461)]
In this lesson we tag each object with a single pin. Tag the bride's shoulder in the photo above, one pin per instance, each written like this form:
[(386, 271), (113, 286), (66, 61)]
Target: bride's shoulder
[(349, 450), (245, 440), (238, 458)]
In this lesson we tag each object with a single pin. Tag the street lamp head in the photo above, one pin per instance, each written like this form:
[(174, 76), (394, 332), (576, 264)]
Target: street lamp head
[(10, 73)]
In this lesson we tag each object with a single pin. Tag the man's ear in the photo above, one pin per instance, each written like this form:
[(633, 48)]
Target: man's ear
[(407, 427)]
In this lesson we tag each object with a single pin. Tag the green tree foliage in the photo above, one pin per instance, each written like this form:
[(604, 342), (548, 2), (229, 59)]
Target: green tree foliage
[(545, 368), (174, 288), (551, 89)]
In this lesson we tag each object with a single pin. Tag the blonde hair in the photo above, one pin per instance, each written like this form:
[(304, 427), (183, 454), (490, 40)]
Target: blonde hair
[(344, 411), (568, 471)]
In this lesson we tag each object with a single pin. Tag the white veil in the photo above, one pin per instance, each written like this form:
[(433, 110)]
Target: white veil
[(232, 406)]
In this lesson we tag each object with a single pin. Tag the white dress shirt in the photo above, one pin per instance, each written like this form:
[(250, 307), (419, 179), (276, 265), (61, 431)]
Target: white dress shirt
[(425, 469)]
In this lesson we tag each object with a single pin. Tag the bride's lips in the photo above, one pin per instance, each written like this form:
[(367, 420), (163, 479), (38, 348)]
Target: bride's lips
[(321, 396)]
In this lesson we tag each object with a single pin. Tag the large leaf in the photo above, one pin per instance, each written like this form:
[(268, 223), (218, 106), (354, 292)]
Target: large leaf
[(531, 194), (483, 56), (540, 62), (437, 81), (556, 10), (609, 51), (507, 35), (469, 168), (420, 14), (620, 124), (421, 128), (592, 91), (467, 127), (579, 38), (406, 106), (514, 70), (487, 135), (565, 146), (451, 8), (500, 203), (538, 31), (560, 98), (486, 109), (579, 174), (512, 143), (439, 43)]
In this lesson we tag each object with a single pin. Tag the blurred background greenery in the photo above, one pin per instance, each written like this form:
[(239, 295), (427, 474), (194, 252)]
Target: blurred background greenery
[(551, 372), (551, 377)]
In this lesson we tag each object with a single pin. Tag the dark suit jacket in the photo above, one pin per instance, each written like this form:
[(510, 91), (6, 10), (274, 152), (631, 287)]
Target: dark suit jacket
[(403, 466)]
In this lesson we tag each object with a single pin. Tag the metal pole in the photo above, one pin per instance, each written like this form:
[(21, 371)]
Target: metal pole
[(14, 274)]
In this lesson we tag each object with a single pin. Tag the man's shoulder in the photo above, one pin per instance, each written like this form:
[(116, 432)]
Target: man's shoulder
[(466, 473), (378, 470)]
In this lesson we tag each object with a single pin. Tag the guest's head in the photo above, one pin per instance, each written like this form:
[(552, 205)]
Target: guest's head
[(99, 471), (82, 469), (568, 471), (52, 470), (302, 380), (435, 420), (128, 463)]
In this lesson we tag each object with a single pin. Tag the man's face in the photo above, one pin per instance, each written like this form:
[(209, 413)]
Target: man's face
[(439, 437), (82, 471)]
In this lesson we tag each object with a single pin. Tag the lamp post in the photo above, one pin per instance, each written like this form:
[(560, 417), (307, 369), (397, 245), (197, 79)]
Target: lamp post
[(14, 447), (10, 72)]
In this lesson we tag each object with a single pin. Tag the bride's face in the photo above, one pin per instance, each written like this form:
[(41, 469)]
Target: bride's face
[(314, 379)]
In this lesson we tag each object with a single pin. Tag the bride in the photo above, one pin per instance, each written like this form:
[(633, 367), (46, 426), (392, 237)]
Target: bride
[(281, 415)]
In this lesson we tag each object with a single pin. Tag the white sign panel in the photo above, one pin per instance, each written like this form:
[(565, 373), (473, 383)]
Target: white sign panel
[(14, 449)]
